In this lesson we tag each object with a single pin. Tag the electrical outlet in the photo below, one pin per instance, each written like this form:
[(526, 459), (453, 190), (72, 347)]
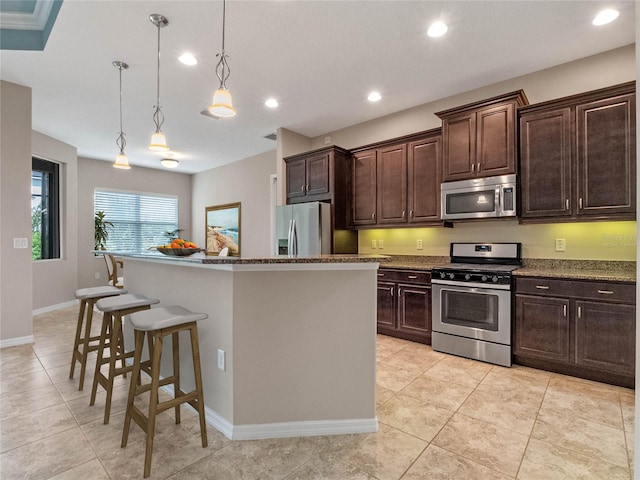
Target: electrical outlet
[(327, 140), (418, 244), (96, 275), (380, 243), (221, 363), (561, 245), (374, 244)]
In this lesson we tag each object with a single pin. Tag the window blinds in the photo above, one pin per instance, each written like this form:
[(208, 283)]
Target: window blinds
[(140, 220)]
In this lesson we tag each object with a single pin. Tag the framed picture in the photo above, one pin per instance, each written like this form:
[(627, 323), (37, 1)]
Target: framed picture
[(222, 229)]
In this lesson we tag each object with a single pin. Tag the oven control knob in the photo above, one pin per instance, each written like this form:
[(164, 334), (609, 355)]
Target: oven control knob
[(484, 278), (442, 274), (495, 279), (451, 276), (467, 277)]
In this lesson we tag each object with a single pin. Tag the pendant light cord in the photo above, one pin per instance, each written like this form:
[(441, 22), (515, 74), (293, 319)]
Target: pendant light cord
[(158, 117)]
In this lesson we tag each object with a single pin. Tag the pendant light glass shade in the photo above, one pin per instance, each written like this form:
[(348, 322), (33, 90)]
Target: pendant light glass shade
[(158, 140), (121, 160), (222, 105), (169, 162)]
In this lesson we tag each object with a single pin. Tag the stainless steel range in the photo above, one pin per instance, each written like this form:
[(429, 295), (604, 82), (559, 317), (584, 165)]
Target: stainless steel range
[(472, 301)]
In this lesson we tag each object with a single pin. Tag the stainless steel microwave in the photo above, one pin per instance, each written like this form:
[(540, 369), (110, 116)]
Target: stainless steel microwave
[(490, 197)]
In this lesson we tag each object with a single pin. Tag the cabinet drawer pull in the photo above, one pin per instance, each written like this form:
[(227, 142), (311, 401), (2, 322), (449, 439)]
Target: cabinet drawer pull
[(566, 204), (564, 310), (381, 274), (413, 277), (542, 287), (605, 292)]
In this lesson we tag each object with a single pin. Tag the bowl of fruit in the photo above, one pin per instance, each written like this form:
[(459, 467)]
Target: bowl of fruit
[(179, 248)]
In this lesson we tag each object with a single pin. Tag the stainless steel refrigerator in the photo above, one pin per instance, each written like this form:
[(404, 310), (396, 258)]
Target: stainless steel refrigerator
[(303, 229)]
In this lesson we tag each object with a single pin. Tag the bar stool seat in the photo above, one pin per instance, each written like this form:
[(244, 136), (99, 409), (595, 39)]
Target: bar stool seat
[(157, 324), (114, 309), (88, 297)]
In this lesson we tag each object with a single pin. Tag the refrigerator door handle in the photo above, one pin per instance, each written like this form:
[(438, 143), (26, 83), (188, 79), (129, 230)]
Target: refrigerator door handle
[(293, 239)]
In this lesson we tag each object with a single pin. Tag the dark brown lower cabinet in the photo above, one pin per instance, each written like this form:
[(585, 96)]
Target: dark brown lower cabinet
[(580, 328), (404, 304)]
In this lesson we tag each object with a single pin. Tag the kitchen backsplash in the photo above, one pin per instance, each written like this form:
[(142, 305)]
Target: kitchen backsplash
[(589, 241)]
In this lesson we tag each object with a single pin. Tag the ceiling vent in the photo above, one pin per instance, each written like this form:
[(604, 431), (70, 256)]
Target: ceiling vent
[(271, 136)]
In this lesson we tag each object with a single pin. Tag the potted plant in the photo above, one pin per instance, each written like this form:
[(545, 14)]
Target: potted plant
[(101, 229)]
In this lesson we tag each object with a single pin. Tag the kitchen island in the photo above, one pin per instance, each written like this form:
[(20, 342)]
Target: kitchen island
[(289, 347)]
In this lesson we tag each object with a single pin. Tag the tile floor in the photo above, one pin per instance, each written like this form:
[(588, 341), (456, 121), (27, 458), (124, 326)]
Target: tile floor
[(441, 417)]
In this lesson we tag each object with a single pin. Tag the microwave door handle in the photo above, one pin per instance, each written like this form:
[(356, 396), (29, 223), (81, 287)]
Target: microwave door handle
[(498, 198)]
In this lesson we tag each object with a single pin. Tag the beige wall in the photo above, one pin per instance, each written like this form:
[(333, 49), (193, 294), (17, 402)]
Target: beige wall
[(610, 240), (94, 174), (16, 324), (247, 182), (55, 280)]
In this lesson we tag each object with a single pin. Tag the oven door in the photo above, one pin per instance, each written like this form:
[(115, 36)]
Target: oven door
[(472, 312)]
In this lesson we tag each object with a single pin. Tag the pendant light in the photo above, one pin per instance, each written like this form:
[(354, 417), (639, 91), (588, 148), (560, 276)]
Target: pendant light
[(222, 105), (121, 160), (158, 140)]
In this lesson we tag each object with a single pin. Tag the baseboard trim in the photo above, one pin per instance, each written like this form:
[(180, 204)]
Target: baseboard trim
[(14, 342), (309, 428), (52, 308)]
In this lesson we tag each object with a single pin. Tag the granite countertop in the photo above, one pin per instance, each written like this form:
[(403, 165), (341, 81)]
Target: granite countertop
[(604, 270), (201, 258)]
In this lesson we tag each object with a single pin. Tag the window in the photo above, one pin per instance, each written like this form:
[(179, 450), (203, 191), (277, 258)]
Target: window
[(140, 220), (45, 208)]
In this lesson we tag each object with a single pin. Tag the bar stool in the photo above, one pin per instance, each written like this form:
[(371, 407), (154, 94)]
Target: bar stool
[(88, 297), (113, 309), (157, 324)]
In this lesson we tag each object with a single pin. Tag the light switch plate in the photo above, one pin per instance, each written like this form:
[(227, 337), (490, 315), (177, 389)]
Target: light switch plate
[(20, 242), (221, 362), (380, 243), (374, 244)]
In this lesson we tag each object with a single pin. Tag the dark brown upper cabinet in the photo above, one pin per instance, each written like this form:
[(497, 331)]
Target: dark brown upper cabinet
[(479, 139), (577, 157), (397, 182), (321, 175)]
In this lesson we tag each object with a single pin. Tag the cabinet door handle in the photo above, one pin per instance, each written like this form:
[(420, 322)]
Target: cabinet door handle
[(478, 167), (302, 188), (413, 277), (399, 292), (473, 168), (373, 216), (410, 213), (391, 292), (566, 204), (605, 292), (564, 310), (579, 312), (403, 213), (542, 287), (580, 203)]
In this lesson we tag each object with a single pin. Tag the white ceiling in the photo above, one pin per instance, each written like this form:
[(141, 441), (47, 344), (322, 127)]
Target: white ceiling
[(318, 58)]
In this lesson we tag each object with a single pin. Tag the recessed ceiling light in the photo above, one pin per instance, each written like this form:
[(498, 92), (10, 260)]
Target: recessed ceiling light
[(271, 103), (374, 97), (605, 16), (437, 29), (188, 59)]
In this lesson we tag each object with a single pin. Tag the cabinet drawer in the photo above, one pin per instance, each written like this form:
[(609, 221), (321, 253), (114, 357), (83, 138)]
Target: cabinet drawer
[(405, 276), (605, 291)]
